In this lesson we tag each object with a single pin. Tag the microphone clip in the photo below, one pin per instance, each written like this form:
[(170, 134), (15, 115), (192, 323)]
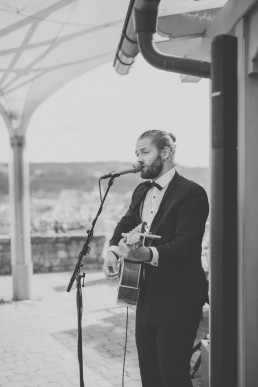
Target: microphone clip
[(110, 175)]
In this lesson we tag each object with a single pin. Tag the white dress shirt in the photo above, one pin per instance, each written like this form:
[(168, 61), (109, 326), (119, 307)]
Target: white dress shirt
[(151, 205)]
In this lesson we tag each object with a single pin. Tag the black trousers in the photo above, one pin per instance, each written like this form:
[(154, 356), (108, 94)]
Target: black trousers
[(164, 340)]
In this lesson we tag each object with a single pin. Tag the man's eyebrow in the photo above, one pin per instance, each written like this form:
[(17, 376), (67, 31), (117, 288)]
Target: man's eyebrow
[(141, 149)]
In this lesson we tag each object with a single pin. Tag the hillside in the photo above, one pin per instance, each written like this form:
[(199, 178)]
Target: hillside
[(51, 178)]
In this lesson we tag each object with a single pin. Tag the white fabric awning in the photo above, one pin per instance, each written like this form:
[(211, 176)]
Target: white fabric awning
[(46, 44)]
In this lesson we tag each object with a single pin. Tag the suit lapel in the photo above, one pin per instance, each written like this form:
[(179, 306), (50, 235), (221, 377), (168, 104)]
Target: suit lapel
[(141, 193), (170, 190), (138, 200)]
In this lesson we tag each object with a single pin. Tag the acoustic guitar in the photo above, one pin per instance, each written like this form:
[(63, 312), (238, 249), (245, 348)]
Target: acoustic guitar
[(130, 271)]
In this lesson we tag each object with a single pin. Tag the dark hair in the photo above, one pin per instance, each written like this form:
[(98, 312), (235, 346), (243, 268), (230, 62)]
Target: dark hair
[(160, 139)]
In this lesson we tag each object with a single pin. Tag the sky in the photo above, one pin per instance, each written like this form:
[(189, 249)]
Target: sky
[(99, 116)]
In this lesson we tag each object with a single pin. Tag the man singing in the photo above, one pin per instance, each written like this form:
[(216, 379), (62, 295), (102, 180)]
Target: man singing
[(173, 288)]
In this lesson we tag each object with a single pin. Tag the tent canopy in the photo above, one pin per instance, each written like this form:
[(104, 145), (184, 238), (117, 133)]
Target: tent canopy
[(46, 44)]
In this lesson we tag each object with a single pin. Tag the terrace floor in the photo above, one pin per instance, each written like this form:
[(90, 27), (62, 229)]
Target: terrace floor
[(39, 337)]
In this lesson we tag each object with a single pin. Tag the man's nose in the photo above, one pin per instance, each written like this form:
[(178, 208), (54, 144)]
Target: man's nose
[(139, 159)]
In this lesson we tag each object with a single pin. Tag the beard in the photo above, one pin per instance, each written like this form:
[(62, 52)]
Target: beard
[(152, 170)]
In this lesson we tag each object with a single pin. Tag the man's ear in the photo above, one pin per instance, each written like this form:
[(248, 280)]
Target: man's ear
[(166, 153)]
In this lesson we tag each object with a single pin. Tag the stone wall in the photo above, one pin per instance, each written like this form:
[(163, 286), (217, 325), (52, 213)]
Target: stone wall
[(55, 253)]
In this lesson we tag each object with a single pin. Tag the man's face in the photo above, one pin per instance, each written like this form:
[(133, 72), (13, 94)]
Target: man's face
[(149, 157)]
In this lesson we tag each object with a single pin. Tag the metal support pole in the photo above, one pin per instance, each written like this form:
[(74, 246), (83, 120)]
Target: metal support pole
[(20, 220), (224, 254)]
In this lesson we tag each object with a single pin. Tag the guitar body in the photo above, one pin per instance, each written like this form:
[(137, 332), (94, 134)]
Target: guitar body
[(128, 289)]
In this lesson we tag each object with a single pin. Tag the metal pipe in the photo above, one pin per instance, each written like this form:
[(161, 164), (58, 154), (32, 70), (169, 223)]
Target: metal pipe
[(224, 216), (127, 49), (170, 63), (137, 35), (145, 22)]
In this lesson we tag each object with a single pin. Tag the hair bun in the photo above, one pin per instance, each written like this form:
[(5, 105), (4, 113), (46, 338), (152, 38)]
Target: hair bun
[(172, 136)]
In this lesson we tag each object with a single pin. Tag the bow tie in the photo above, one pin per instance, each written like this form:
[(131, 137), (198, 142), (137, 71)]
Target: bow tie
[(150, 184)]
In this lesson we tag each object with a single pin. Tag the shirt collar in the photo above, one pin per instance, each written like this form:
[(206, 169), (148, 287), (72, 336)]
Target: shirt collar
[(164, 180)]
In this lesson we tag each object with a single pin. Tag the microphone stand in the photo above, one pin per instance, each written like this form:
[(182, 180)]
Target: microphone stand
[(78, 276)]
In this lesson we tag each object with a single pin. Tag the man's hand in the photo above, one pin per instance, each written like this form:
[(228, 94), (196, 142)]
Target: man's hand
[(110, 266), (133, 252)]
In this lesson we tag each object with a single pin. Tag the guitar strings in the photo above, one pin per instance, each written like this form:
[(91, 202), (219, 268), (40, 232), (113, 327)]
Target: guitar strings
[(125, 347)]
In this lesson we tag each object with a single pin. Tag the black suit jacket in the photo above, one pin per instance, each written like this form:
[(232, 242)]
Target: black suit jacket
[(179, 280)]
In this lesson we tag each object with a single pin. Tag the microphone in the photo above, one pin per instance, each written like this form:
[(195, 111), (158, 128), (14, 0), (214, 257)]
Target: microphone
[(134, 168)]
